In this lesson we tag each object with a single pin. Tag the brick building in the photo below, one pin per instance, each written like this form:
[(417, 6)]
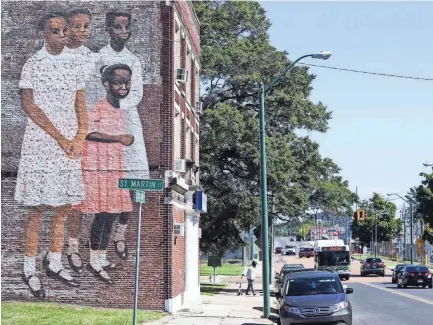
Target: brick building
[(165, 40)]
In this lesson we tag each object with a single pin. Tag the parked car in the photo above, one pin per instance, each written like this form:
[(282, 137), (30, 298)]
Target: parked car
[(414, 275), (278, 250), (314, 296), (306, 252), (290, 250), (284, 271), (372, 265), (397, 271)]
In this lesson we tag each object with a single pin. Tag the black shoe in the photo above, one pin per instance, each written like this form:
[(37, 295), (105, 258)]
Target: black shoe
[(110, 266), (75, 262), (98, 274), (122, 253), (58, 276), (35, 285)]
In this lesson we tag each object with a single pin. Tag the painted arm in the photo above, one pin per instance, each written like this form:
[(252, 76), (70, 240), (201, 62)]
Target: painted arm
[(83, 124), (125, 139), (136, 93), (38, 116)]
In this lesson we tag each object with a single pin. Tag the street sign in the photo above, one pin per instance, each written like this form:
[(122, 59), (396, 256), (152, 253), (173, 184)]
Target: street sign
[(141, 184), (140, 196)]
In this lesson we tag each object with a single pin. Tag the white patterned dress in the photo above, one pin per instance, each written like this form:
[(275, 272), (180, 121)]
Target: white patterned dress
[(45, 175)]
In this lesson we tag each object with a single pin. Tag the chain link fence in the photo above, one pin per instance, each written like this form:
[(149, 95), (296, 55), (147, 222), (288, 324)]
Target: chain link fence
[(392, 250)]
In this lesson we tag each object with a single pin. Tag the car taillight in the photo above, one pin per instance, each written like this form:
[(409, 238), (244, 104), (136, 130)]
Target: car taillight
[(381, 264), (427, 273)]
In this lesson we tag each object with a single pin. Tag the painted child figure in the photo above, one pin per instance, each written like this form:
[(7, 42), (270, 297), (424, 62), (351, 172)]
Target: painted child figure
[(118, 25), (103, 165), (49, 173), (79, 21)]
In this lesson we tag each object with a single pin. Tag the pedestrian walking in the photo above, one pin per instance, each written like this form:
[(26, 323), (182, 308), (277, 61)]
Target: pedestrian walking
[(250, 274)]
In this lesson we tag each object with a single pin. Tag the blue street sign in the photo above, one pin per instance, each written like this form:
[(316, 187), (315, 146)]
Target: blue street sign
[(200, 200)]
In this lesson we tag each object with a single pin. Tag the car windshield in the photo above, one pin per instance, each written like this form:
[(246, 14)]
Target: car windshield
[(313, 286), (417, 269), (333, 258), (374, 260), (399, 267)]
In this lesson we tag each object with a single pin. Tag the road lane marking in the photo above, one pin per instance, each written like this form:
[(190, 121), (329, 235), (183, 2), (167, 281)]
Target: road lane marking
[(430, 302)]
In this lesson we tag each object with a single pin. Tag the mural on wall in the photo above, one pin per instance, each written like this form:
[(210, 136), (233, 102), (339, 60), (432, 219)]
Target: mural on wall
[(83, 133)]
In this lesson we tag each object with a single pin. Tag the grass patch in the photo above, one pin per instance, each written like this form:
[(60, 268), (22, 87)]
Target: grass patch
[(211, 289), (226, 269), (27, 313)]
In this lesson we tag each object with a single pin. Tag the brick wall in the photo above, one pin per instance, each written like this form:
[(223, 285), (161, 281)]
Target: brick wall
[(162, 257)]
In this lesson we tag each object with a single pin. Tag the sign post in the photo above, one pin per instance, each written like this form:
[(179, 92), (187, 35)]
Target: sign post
[(139, 186)]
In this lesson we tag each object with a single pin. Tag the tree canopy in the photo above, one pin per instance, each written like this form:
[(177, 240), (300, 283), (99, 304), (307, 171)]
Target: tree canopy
[(423, 194), (388, 227), (236, 54)]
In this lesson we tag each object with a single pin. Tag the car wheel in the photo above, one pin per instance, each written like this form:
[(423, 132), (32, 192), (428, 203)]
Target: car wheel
[(430, 286), (404, 285), (382, 274), (423, 286)]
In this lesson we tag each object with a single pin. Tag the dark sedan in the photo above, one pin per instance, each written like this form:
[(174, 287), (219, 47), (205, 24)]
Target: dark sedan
[(397, 271), (372, 265), (414, 276)]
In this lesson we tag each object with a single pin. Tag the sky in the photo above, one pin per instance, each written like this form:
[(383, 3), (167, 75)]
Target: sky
[(382, 127)]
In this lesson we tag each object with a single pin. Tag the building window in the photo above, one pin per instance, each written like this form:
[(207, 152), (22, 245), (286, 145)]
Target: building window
[(197, 151), (177, 134), (188, 142), (177, 48), (190, 76), (197, 85)]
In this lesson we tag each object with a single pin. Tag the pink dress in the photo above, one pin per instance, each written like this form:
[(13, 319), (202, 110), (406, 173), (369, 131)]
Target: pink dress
[(103, 164)]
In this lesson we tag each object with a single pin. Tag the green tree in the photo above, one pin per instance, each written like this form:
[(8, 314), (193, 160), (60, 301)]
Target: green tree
[(388, 227), (235, 55), (424, 196), (304, 229)]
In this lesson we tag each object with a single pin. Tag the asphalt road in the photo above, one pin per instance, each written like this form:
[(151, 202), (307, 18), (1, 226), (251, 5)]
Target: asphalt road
[(372, 305), (376, 301)]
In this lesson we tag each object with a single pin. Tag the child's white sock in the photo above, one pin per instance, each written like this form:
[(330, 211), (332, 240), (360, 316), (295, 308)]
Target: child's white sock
[(120, 232), (94, 260), (29, 266), (103, 258), (73, 246), (56, 265)]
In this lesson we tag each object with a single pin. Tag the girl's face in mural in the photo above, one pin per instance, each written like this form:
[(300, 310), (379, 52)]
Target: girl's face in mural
[(56, 34), (120, 31), (119, 83), (79, 28)]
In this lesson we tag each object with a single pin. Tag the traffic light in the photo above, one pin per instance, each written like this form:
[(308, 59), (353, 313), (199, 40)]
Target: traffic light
[(360, 215)]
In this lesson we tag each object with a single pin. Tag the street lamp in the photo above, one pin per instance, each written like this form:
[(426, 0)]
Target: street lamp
[(324, 55), (411, 223)]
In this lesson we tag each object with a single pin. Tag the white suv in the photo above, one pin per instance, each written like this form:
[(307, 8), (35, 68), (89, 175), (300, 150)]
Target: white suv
[(290, 250)]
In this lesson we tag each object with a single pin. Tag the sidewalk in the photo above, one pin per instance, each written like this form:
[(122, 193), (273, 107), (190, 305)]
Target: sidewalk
[(225, 308)]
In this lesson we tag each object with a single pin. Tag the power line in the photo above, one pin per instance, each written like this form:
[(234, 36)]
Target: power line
[(367, 72)]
